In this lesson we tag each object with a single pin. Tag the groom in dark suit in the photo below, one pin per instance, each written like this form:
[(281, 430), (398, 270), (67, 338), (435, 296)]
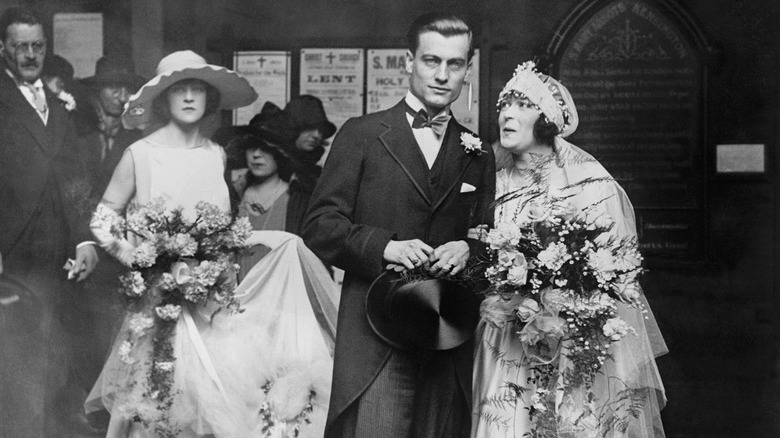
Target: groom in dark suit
[(399, 191), (41, 226)]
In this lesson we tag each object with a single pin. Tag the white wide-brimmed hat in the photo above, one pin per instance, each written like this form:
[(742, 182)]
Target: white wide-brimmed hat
[(234, 90)]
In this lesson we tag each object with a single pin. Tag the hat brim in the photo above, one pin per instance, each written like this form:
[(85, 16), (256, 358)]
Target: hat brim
[(234, 91), (434, 314), (131, 80)]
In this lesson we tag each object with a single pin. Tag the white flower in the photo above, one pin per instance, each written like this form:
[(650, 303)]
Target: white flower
[(133, 284), (527, 308), (168, 312), (471, 143), (139, 323), (504, 234), (124, 353), (164, 366), (616, 328), (518, 272), (537, 400), (145, 254), (70, 102), (554, 256)]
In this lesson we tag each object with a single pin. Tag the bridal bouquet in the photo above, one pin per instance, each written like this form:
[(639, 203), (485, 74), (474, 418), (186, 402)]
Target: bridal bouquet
[(179, 262), (563, 274)]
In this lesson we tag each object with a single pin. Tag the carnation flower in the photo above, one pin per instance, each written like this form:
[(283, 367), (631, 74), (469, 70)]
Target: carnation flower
[(145, 254), (554, 256), (132, 284), (181, 244), (211, 218), (168, 312), (140, 323), (124, 353), (471, 144)]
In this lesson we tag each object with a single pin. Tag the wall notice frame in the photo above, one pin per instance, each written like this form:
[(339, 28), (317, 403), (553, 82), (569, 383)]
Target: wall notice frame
[(79, 39), (740, 159), (336, 77), (269, 74)]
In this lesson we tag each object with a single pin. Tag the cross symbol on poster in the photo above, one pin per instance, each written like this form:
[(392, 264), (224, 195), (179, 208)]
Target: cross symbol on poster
[(261, 60), (330, 57)]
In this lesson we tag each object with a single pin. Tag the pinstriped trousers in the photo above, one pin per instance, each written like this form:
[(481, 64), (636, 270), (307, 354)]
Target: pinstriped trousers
[(415, 395)]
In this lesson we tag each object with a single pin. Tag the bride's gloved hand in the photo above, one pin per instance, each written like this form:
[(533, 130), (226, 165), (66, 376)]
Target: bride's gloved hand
[(479, 232), (103, 220)]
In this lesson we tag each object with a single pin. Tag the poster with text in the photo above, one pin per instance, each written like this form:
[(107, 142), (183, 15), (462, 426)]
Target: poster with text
[(79, 39), (336, 77), (387, 82), (386, 78), (269, 75)]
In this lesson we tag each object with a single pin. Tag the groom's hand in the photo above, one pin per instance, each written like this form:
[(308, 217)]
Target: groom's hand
[(406, 254), (450, 257)]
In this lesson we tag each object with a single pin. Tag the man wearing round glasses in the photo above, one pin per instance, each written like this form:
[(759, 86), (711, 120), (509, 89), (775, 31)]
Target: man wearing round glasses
[(42, 225)]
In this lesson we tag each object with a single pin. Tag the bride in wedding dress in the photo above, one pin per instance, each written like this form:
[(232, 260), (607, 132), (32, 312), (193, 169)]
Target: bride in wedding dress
[(264, 372)]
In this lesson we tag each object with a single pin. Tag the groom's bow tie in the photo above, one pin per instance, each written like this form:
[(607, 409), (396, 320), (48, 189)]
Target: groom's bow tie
[(421, 120)]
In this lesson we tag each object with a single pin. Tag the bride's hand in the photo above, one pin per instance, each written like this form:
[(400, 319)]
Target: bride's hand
[(479, 232)]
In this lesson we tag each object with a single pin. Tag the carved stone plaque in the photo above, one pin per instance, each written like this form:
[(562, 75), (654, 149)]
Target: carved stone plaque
[(636, 81)]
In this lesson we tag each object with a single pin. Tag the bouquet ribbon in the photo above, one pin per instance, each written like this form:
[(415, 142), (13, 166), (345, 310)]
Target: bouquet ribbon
[(200, 349)]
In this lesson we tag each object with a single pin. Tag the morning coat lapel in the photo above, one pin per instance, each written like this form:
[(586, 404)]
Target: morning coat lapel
[(402, 146), (57, 120), (11, 97), (454, 163)]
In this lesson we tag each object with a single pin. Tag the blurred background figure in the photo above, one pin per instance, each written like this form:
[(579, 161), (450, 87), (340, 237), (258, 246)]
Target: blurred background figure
[(57, 74), (102, 138)]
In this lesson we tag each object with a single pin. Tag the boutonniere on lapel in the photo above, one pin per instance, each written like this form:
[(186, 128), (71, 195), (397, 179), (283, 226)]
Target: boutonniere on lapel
[(471, 143), (68, 100)]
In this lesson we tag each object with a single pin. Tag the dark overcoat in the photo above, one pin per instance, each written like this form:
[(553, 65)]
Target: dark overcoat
[(376, 187), (43, 215)]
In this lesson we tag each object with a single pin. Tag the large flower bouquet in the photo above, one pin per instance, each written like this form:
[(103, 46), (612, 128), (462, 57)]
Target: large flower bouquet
[(564, 274), (179, 262)]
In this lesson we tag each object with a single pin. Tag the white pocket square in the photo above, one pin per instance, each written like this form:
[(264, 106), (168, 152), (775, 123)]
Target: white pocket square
[(467, 188)]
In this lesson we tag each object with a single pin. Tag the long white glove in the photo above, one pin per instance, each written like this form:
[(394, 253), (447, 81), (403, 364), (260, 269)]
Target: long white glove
[(103, 220)]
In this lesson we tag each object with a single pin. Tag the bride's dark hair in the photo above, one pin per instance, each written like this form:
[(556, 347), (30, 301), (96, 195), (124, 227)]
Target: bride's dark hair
[(161, 112), (545, 131)]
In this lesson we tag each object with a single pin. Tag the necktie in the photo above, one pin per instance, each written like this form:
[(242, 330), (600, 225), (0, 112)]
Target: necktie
[(421, 120), (38, 98)]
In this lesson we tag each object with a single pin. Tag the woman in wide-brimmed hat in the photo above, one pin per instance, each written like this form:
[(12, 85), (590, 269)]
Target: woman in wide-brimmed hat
[(233, 374)]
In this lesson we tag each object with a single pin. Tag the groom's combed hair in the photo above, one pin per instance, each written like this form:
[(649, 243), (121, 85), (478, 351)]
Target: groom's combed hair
[(442, 23)]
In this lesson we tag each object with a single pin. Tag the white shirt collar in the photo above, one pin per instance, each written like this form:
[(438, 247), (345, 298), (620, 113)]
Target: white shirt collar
[(416, 105), (37, 84)]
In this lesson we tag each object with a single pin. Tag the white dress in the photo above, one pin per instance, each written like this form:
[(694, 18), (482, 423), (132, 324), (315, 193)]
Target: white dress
[(499, 357), (278, 351)]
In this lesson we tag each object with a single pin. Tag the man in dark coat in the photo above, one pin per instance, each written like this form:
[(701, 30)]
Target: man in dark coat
[(42, 221), (399, 191)]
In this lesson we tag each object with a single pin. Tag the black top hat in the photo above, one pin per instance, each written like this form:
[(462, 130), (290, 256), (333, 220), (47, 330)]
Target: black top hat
[(113, 72), (307, 112), (433, 314)]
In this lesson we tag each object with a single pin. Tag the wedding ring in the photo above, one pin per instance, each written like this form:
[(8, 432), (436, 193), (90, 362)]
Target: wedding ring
[(414, 260), (449, 266)]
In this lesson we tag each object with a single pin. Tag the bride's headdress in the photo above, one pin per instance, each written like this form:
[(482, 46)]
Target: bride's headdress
[(547, 93)]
